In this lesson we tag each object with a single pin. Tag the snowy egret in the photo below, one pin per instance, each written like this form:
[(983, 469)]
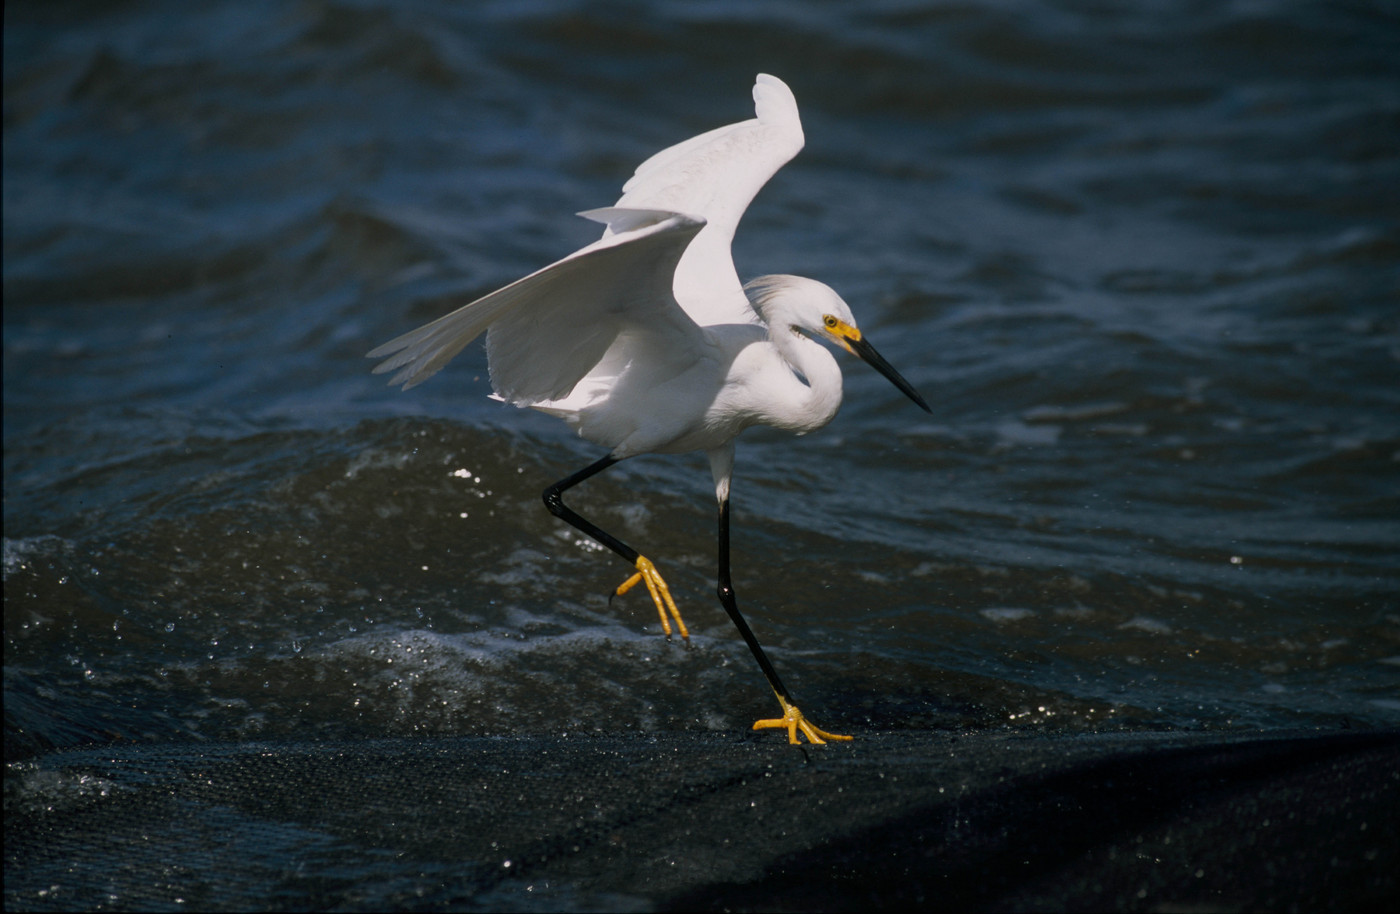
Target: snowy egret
[(646, 342)]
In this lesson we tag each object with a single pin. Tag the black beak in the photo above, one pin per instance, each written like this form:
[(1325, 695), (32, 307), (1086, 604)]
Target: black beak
[(876, 361)]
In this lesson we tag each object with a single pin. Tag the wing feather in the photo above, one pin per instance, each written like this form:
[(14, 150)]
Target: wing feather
[(715, 176), (662, 266), (549, 329)]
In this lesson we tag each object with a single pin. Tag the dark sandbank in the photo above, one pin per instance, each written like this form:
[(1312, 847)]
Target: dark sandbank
[(971, 821)]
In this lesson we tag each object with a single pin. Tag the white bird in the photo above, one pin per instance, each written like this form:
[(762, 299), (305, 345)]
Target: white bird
[(646, 342)]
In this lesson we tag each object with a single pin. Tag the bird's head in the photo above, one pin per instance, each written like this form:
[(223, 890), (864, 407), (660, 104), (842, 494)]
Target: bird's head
[(813, 308)]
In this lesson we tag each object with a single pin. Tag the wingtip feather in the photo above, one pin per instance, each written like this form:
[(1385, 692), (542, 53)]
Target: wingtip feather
[(775, 104)]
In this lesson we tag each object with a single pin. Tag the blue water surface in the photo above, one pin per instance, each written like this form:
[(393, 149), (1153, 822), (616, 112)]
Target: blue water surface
[(1141, 259)]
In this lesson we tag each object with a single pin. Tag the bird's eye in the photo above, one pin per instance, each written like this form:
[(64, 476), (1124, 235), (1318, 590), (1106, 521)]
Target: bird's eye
[(830, 322)]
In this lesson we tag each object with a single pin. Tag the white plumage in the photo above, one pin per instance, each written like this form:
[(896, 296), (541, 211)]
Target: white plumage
[(646, 342)]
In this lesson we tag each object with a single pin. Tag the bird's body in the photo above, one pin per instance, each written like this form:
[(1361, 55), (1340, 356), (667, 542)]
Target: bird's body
[(646, 342), (731, 377)]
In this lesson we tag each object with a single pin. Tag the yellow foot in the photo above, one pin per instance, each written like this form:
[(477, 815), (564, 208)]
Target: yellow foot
[(660, 594), (792, 721)]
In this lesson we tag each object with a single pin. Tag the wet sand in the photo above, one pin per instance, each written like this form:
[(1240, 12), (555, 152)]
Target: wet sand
[(967, 821)]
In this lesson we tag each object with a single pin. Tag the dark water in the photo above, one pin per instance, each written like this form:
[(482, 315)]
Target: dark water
[(1143, 262)]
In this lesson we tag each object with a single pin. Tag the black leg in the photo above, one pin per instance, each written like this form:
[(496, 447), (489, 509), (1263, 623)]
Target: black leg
[(792, 720), (646, 571), (554, 501), (731, 606)]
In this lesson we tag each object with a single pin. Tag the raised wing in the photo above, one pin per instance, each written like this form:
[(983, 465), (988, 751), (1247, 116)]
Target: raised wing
[(549, 329), (715, 176)]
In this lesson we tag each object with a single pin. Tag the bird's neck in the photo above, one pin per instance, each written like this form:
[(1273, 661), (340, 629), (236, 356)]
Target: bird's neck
[(811, 404)]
